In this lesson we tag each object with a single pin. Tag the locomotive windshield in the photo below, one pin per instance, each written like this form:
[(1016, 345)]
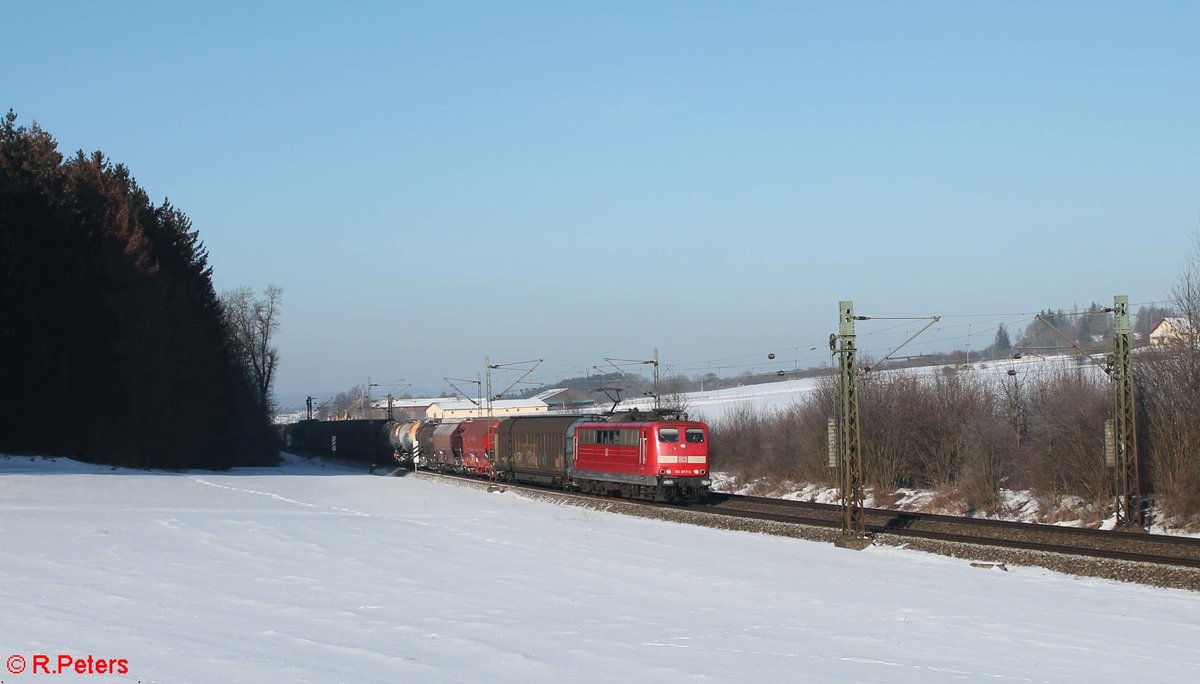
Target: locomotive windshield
[(695, 435), (668, 434)]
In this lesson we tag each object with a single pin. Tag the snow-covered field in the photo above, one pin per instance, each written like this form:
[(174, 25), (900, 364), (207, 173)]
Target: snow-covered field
[(772, 396), (323, 574)]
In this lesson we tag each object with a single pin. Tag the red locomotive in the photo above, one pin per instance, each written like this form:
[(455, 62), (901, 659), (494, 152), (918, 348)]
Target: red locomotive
[(657, 459)]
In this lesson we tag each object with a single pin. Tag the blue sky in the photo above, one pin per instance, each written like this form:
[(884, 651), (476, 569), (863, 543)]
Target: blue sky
[(433, 183)]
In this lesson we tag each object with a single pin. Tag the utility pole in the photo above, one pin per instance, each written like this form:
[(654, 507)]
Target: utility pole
[(487, 362), (854, 535), (1128, 484), (657, 393), (478, 382), (527, 366), (310, 408)]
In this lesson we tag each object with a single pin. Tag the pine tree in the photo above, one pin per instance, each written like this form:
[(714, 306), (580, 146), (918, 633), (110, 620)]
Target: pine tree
[(113, 347), (1002, 345)]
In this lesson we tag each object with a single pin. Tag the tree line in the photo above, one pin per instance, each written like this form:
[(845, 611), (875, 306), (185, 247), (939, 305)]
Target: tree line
[(114, 346)]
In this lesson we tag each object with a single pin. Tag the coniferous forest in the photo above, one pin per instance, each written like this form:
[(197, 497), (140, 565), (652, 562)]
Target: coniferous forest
[(113, 344)]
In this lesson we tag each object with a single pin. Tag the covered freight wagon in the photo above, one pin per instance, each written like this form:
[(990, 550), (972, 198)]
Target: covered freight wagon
[(535, 448)]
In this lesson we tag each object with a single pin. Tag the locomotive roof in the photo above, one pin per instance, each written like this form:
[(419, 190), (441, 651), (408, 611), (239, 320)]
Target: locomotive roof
[(645, 420)]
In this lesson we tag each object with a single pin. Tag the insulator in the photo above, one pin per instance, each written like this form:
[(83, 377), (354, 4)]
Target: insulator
[(832, 445), (1110, 443)]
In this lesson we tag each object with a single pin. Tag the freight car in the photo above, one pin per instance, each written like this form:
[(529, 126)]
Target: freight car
[(478, 446), (357, 440)]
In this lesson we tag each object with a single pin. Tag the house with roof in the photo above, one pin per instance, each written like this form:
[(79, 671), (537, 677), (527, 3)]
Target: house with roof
[(403, 409), (501, 408), (1172, 331)]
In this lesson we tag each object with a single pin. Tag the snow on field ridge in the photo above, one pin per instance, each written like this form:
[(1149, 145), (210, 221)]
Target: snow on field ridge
[(314, 573)]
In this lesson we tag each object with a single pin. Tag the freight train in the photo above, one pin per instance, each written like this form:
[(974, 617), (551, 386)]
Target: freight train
[(656, 456)]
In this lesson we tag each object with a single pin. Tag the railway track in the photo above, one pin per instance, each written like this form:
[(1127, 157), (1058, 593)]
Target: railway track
[(1157, 549), (1156, 560), (1128, 546)]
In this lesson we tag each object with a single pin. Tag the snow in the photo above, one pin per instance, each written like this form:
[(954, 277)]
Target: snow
[(313, 573), (767, 397)]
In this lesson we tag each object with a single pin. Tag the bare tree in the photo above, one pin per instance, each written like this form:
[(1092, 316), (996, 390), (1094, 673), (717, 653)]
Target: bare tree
[(1185, 296), (252, 324), (346, 405), (674, 396), (1169, 379), (1169, 384)]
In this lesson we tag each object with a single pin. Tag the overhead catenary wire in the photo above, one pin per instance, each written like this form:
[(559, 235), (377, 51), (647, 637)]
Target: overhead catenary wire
[(949, 335)]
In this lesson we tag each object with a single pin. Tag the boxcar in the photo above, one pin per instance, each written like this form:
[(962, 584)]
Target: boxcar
[(534, 449), (359, 440)]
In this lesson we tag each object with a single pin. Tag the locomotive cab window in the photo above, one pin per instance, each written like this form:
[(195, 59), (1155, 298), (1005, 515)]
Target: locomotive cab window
[(695, 435), (668, 434), (604, 436)]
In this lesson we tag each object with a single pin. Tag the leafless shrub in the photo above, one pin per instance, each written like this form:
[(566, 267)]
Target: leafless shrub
[(940, 433), (887, 408), (987, 459), (796, 443), (950, 408), (737, 438), (1064, 450)]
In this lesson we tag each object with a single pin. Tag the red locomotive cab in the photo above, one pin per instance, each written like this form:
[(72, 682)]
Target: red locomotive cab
[(678, 449)]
